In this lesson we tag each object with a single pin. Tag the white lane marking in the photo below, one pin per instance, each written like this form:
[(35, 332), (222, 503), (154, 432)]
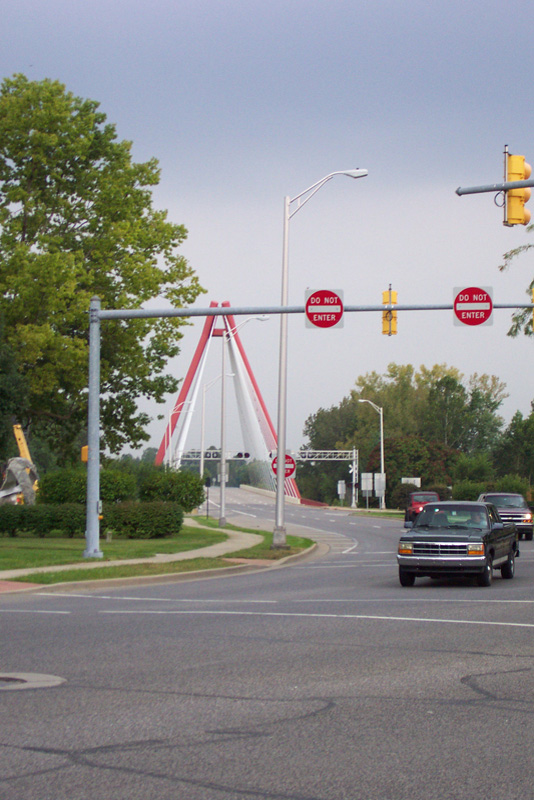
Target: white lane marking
[(396, 601), (371, 617), (29, 611), (350, 549), (118, 598), (243, 513)]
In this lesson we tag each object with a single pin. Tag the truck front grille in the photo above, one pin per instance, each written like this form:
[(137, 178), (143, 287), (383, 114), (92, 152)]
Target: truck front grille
[(439, 549)]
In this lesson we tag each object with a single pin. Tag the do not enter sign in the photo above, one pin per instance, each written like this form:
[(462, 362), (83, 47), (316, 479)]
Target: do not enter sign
[(473, 306), (290, 466), (324, 309)]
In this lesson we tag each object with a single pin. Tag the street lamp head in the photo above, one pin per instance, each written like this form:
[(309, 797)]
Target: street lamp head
[(355, 173)]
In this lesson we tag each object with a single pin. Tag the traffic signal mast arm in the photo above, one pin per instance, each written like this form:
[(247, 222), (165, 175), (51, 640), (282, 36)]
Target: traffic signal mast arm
[(495, 187), (516, 187)]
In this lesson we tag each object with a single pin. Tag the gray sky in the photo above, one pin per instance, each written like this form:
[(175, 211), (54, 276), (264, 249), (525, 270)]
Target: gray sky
[(244, 102)]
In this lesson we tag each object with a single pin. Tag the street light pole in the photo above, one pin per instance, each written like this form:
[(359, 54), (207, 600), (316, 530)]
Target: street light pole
[(279, 532), (381, 413)]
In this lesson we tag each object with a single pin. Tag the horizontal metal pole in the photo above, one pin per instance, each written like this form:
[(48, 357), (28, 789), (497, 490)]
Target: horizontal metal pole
[(495, 187), (139, 313)]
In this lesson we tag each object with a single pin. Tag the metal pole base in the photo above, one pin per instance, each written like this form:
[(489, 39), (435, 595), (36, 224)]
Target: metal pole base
[(279, 539), (93, 554)]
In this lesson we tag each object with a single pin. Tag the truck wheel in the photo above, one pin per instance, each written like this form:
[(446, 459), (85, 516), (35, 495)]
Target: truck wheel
[(508, 569), (406, 578), (485, 578), (528, 536)]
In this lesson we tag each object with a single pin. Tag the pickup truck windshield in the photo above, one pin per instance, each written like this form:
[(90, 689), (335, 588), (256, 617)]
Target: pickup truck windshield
[(459, 517)]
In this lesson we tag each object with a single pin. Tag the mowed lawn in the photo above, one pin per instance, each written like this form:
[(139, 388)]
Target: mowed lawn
[(23, 552)]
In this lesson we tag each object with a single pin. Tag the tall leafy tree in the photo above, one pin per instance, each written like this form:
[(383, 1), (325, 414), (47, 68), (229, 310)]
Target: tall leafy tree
[(429, 415), (76, 220), (522, 318), (12, 397), (514, 453)]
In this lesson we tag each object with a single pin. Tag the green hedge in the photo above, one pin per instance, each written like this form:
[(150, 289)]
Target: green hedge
[(470, 490), (127, 520), (70, 486), (185, 488), (143, 520)]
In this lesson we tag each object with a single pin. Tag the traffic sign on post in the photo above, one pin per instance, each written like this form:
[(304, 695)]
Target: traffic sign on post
[(473, 306), (290, 466), (324, 308)]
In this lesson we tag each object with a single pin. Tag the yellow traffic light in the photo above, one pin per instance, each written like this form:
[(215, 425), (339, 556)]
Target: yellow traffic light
[(515, 213), (389, 315)]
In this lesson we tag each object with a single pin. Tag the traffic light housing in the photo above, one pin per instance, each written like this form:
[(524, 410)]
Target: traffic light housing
[(515, 212), (389, 315)]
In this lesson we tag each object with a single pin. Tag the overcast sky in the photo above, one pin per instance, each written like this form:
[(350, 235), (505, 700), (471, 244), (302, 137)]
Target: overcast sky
[(244, 102)]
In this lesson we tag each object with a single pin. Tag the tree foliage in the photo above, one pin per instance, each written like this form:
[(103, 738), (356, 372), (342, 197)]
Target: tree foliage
[(430, 415), (522, 318), (76, 220), (12, 396), (515, 450)]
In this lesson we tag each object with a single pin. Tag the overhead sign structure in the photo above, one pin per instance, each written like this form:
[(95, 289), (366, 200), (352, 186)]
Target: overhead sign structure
[(473, 306), (290, 466), (324, 308)]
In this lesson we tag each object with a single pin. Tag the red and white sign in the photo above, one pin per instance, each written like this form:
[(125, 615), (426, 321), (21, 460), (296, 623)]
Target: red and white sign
[(324, 309), (473, 306), (290, 466)]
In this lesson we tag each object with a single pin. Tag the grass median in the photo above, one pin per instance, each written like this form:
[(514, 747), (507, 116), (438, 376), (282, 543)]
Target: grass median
[(29, 553)]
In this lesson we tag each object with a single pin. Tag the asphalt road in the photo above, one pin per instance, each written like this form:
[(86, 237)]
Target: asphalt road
[(324, 680)]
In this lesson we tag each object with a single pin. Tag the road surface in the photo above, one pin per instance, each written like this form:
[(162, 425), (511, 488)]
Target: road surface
[(322, 680)]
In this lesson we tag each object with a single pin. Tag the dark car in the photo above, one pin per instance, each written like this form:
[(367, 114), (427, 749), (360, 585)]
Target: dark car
[(416, 502), (456, 538), (512, 508)]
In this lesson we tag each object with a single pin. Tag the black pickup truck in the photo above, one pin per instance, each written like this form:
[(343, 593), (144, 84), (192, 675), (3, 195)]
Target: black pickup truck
[(458, 538)]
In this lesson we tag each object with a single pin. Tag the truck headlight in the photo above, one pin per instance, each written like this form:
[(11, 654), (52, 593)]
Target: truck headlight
[(475, 549), (405, 548)]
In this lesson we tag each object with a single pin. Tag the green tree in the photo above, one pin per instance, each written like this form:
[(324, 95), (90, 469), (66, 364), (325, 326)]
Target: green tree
[(76, 220), (514, 453), (12, 397), (428, 415), (522, 318)]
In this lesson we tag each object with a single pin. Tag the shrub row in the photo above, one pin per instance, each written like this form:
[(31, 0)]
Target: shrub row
[(70, 486), (128, 520)]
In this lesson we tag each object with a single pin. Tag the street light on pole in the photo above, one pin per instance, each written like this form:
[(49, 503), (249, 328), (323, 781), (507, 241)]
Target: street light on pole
[(279, 533), (380, 410)]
